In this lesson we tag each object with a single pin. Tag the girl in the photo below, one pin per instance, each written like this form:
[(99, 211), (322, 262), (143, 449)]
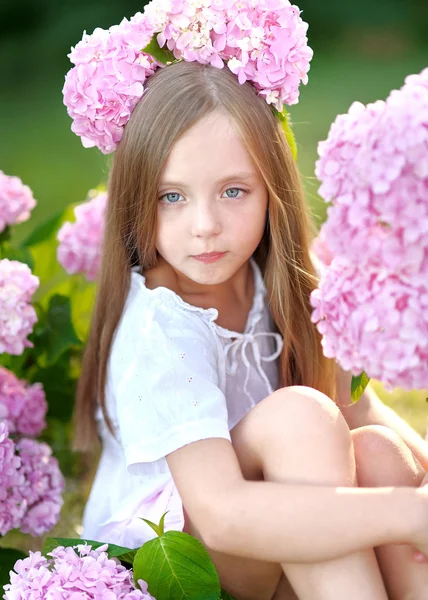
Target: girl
[(205, 377)]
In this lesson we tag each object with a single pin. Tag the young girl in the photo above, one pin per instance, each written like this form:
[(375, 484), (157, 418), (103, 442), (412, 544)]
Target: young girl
[(204, 375)]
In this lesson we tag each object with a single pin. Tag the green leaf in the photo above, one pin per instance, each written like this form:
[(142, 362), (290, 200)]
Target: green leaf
[(358, 385), (5, 235), (163, 55), (226, 596), (158, 529), (177, 566), (123, 554), (284, 118), (43, 231), (21, 254), (59, 333), (59, 388), (8, 558)]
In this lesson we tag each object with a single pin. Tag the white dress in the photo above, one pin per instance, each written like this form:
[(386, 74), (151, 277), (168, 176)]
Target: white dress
[(174, 377)]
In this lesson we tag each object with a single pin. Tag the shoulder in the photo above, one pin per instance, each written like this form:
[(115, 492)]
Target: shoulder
[(158, 316)]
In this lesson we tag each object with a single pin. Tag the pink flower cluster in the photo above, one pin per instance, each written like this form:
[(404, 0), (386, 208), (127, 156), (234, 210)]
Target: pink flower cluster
[(263, 42), (372, 301), (11, 512), (17, 316), (41, 488), (22, 406), (374, 321), (79, 249), (78, 572), (31, 485), (16, 201), (103, 88)]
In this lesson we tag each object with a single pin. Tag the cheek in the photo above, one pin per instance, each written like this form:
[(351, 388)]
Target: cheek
[(166, 232)]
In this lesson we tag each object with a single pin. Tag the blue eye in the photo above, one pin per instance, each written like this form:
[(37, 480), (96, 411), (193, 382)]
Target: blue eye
[(233, 192), (171, 197)]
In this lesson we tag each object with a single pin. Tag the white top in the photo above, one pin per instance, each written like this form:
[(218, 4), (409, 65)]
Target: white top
[(174, 377)]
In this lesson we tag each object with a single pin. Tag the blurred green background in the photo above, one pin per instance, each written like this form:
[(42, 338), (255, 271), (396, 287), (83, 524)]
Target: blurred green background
[(362, 50)]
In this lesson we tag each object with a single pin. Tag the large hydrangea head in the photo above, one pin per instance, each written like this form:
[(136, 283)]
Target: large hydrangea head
[(80, 243), (263, 42), (373, 168), (17, 315), (16, 201), (374, 321), (41, 488), (74, 572), (371, 305), (31, 485), (22, 406)]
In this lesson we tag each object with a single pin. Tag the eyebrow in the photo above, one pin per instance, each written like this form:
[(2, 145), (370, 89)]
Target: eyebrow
[(243, 176)]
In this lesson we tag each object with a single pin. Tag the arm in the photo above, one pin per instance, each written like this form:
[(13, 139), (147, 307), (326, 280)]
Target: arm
[(370, 410), (285, 522)]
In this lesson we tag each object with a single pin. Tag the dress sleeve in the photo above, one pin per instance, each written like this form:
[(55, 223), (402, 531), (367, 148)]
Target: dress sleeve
[(165, 384)]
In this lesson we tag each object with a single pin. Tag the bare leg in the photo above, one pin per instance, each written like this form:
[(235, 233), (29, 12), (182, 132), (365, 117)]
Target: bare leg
[(383, 459), (298, 435)]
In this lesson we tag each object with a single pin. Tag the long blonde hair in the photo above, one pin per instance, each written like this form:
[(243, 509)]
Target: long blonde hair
[(175, 98)]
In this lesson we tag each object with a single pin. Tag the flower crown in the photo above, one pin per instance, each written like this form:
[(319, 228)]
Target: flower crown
[(261, 41)]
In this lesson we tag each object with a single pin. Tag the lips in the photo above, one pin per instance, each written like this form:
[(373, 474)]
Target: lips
[(209, 255)]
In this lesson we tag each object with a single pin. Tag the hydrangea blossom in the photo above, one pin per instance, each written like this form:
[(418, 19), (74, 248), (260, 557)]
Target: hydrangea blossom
[(17, 316), (78, 572), (263, 42), (12, 506), (374, 321), (79, 249), (16, 201), (31, 485), (22, 406), (41, 488), (374, 170), (103, 88)]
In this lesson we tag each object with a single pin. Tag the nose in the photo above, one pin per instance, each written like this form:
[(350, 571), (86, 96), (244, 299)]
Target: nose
[(205, 219)]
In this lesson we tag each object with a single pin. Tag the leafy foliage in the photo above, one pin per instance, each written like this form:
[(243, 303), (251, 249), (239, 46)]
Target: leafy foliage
[(358, 385), (176, 565)]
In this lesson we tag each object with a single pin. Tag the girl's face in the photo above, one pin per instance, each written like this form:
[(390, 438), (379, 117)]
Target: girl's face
[(211, 199)]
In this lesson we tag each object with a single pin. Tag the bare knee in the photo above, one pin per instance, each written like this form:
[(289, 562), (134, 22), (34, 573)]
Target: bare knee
[(304, 411), (301, 433), (383, 458)]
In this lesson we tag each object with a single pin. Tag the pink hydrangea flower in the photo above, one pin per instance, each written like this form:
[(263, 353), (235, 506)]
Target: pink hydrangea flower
[(31, 485), (12, 505), (263, 42), (16, 201), (22, 406), (374, 171), (78, 572), (103, 88), (268, 44), (375, 322), (41, 488), (79, 249), (17, 316)]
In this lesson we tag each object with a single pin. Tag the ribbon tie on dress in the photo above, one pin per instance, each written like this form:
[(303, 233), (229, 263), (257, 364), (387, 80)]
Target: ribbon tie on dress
[(241, 343)]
